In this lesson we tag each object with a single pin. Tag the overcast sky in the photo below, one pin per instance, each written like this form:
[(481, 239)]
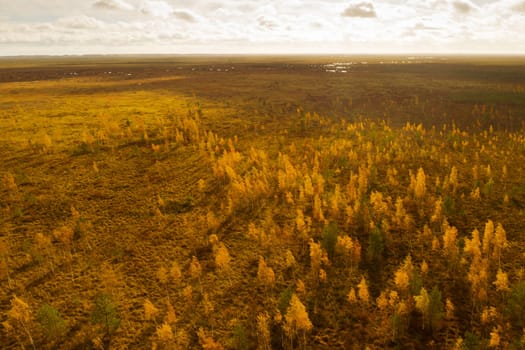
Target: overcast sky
[(256, 26)]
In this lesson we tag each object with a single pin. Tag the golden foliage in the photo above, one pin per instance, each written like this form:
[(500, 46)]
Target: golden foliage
[(300, 288), (95, 167), (4, 270), (335, 201), (494, 340), (344, 245), (162, 275), (475, 194), (382, 301), (488, 315), (195, 268), (212, 222), (478, 278), (401, 280), (155, 148), (207, 305), (187, 292), (506, 199), (88, 139), (422, 304), (318, 209), (263, 331), (10, 183), (437, 215), (160, 201), (213, 240), (350, 250), (296, 318), (322, 275), (404, 275), (64, 235), (74, 213), (150, 311), (424, 267), (393, 298), (391, 175), (289, 261), (435, 244), (111, 280), (450, 246), (379, 203), (351, 296), (20, 312), (488, 236), (222, 258), (287, 175), (363, 179), (265, 274), (175, 273), (453, 179), (500, 241), (362, 291), (458, 344), (165, 333), (317, 256), (402, 308), (207, 342), (201, 185), (308, 187), (47, 143), (473, 245), (502, 281), (420, 187), (171, 317), (449, 309), (401, 217), (300, 222), (19, 319), (42, 242)]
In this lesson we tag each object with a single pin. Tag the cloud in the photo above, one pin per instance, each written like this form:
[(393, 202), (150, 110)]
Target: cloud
[(519, 6), (254, 26), (112, 5), (463, 6), (422, 26), (184, 15), (362, 9), (80, 22), (84, 33), (421, 29), (157, 8), (266, 23)]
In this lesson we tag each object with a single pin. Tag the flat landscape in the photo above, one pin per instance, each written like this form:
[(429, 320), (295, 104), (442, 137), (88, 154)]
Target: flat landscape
[(262, 202)]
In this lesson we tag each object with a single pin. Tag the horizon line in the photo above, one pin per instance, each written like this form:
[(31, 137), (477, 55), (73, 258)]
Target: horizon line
[(278, 54)]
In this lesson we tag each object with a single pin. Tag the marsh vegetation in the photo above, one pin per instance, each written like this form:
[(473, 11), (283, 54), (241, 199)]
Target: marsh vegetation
[(262, 202)]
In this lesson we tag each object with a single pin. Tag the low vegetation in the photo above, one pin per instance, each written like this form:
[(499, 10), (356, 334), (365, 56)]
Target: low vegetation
[(143, 211)]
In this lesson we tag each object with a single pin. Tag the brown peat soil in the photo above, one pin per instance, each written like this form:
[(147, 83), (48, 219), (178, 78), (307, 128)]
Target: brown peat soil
[(271, 202)]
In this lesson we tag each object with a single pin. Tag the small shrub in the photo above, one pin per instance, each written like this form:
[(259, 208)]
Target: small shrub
[(105, 313), (284, 300), (375, 246), (515, 309), (51, 321), (330, 239)]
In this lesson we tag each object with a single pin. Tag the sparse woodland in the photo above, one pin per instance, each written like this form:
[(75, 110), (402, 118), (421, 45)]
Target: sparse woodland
[(309, 232)]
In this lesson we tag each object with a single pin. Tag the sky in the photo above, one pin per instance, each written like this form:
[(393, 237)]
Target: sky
[(71, 27)]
